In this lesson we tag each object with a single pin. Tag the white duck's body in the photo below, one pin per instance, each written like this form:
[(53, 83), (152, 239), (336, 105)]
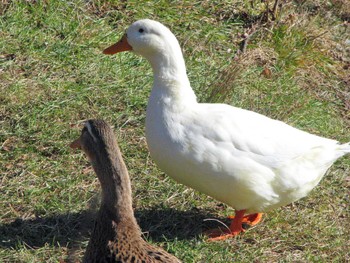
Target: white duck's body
[(239, 157)]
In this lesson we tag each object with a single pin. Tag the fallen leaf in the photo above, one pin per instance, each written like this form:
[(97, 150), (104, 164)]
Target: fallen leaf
[(266, 73)]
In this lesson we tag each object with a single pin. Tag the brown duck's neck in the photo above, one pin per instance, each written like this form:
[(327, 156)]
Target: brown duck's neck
[(116, 189)]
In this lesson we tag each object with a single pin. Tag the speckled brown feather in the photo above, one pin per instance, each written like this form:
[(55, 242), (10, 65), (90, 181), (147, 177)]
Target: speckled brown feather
[(116, 236)]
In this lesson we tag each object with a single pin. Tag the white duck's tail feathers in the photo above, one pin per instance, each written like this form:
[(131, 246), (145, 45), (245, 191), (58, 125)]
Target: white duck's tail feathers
[(345, 148)]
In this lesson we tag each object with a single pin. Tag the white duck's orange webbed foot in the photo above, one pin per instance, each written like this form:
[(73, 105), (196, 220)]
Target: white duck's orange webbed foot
[(236, 226), (219, 234), (250, 220)]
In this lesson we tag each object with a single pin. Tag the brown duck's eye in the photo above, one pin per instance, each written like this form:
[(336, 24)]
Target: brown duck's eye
[(141, 30)]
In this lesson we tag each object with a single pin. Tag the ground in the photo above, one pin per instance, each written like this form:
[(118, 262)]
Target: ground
[(291, 63)]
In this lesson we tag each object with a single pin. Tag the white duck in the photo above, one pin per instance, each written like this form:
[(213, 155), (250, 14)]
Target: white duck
[(241, 158)]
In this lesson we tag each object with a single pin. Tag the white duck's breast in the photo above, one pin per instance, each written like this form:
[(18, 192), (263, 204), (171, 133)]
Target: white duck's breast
[(241, 158)]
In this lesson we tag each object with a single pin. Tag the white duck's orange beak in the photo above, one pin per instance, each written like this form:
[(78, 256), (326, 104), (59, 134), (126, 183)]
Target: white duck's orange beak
[(76, 144), (120, 46)]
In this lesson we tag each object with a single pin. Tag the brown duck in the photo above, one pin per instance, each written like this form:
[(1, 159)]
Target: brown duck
[(116, 236)]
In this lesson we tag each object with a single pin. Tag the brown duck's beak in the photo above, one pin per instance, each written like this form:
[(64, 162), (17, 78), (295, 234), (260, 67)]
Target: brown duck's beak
[(120, 46), (76, 144)]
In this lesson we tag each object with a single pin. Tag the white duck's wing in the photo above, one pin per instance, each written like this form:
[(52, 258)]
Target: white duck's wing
[(245, 159), (270, 141)]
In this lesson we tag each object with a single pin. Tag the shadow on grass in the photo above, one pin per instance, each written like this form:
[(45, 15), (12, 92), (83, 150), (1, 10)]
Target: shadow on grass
[(68, 230)]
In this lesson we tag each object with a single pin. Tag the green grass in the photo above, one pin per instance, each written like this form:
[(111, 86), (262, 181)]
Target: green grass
[(57, 77)]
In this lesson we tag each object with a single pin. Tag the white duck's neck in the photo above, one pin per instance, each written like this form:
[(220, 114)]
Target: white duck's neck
[(170, 78), (169, 66)]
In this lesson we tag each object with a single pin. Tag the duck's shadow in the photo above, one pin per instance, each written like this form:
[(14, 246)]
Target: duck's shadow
[(168, 224), (65, 230)]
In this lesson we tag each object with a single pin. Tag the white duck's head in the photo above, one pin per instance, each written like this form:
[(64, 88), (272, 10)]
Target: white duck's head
[(145, 37), (156, 43)]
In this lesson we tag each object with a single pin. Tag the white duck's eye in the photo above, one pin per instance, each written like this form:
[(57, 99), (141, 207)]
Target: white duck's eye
[(141, 30)]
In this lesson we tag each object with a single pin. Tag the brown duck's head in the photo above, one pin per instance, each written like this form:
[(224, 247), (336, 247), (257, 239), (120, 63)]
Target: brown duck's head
[(94, 138)]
